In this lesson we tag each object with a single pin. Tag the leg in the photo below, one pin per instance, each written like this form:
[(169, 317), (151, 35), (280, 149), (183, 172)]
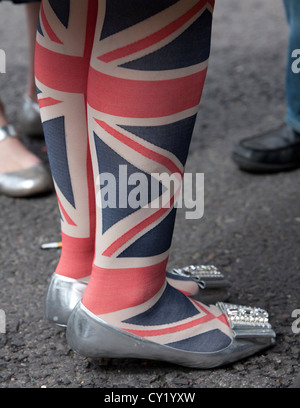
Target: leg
[(32, 17), (119, 118), (29, 115), (64, 41)]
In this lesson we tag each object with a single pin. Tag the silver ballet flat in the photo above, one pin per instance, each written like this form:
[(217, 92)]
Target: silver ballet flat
[(213, 286), (62, 296), (23, 183), (90, 336), (29, 118)]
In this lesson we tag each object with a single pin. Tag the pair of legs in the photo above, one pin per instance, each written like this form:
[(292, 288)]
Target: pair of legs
[(115, 91), (119, 84)]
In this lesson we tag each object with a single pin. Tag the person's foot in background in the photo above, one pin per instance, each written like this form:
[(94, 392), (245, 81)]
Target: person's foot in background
[(273, 151), (22, 173)]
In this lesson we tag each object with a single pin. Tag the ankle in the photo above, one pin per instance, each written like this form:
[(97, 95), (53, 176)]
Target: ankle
[(76, 257), (111, 289), (14, 156)]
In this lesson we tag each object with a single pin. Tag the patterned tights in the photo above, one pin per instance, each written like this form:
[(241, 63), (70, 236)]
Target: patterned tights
[(119, 83)]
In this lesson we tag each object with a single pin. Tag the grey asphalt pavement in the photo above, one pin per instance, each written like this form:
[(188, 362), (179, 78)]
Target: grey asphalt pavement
[(250, 228)]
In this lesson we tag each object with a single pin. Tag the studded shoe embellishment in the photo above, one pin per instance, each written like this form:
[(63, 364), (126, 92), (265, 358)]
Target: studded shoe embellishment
[(199, 272), (245, 316)]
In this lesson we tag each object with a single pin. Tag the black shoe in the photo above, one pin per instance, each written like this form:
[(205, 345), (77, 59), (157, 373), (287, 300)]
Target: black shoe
[(273, 151)]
